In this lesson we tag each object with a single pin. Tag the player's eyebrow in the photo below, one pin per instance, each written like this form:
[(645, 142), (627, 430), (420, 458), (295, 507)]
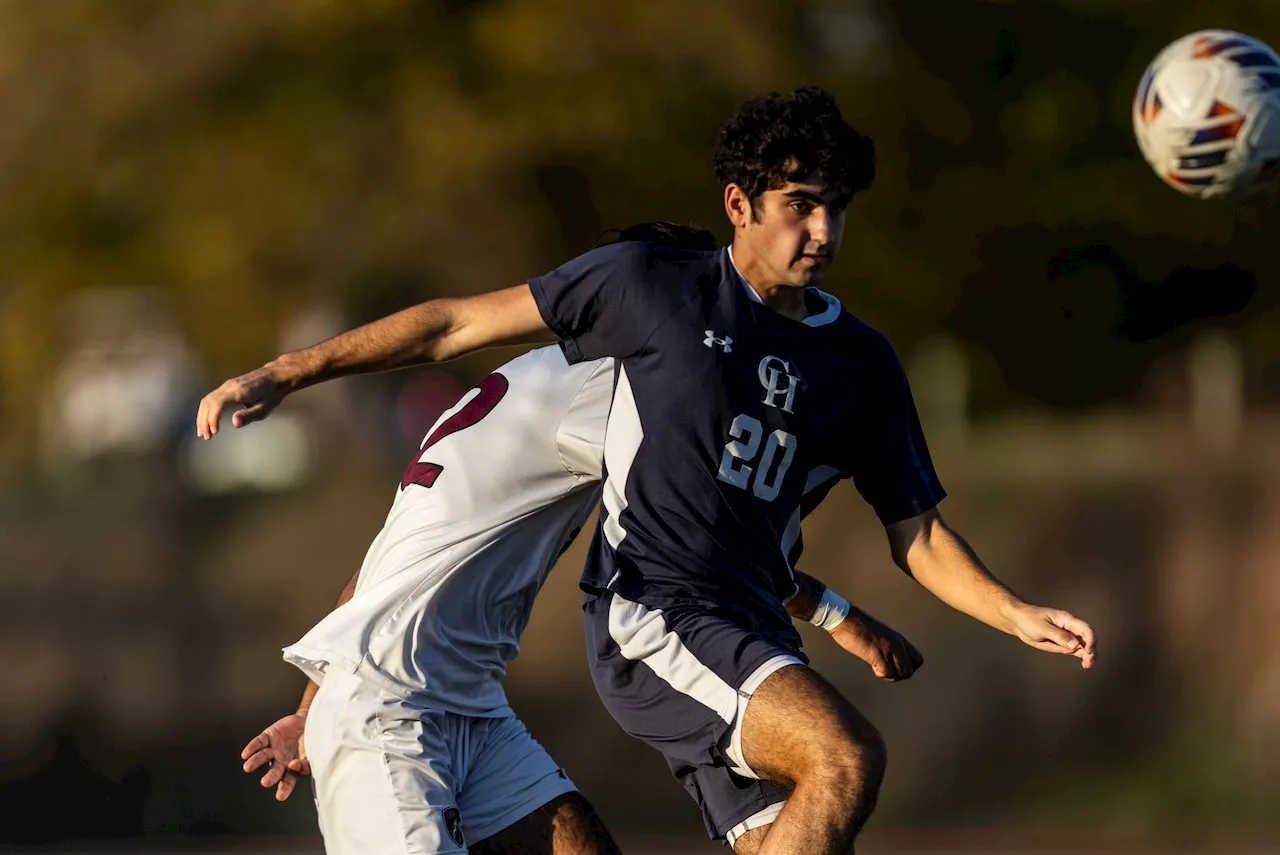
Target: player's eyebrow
[(807, 195)]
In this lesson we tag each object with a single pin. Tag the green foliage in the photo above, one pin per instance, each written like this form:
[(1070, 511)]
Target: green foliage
[(252, 156)]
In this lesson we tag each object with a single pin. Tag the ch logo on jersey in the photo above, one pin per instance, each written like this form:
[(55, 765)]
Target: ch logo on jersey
[(712, 341), (779, 383)]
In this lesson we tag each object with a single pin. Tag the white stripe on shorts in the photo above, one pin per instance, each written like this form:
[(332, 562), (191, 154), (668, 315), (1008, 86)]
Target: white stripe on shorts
[(737, 760), (642, 636), (757, 820)]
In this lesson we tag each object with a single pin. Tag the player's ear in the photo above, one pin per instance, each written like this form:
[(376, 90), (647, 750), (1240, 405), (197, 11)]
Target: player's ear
[(737, 206)]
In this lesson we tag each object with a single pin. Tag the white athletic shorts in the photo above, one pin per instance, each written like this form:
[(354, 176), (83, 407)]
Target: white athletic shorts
[(393, 776)]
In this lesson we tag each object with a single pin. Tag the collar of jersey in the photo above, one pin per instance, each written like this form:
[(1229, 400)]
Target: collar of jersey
[(823, 318)]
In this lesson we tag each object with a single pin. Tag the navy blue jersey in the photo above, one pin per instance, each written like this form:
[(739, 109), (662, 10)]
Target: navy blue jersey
[(729, 422)]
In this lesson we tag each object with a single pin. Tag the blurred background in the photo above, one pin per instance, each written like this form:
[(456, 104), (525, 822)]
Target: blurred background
[(191, 188)]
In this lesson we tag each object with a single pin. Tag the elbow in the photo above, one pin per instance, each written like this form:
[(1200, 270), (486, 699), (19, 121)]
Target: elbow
[(435, 349), (443, 340)]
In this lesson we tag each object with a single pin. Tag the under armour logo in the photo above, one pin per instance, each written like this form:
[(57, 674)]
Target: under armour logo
[(772, 371), (712, 340)]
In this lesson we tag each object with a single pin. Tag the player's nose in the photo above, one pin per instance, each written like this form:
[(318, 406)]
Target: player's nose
[(819, 228)]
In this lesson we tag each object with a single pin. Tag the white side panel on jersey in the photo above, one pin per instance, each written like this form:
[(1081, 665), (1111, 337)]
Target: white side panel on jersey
[(817, 477), (621, 442)]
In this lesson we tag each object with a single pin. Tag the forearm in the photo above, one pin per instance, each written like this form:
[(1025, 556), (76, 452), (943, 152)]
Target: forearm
[(945, 565), (808, 594), (309, 693), (409, 337), (435, 331)]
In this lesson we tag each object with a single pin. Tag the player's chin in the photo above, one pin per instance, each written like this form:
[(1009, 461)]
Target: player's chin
[(808, 271)]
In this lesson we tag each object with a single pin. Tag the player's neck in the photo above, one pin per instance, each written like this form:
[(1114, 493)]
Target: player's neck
[(786, 300)]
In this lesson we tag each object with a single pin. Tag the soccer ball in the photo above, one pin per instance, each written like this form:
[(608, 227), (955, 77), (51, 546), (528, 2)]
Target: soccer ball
[(1207, 114)]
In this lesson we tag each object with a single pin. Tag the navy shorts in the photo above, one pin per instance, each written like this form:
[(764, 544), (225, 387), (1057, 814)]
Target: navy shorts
[(679, 678)]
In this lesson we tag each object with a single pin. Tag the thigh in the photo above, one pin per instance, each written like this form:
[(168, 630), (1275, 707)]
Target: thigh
[(796, 721), (566, 825), (504, 774), (750, 842), (383, 781)]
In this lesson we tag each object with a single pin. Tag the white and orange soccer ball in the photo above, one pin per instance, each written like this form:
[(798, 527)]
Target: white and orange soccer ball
[(1207, 114)]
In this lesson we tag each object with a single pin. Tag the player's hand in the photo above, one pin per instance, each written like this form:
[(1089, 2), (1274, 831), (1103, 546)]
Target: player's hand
[(888, 653), (1056, 631), (280, 747), (258, 392)]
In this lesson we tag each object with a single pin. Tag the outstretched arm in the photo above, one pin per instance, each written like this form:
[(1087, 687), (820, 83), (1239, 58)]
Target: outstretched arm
[(435, 331), (281, 746), (890, 655), (940, 560)]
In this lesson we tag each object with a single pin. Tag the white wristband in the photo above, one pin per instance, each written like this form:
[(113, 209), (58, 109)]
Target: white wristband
[(831, 611)]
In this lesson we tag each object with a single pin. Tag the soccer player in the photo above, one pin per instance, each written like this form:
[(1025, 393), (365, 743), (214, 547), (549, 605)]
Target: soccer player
[(409, 734), (743, 393)]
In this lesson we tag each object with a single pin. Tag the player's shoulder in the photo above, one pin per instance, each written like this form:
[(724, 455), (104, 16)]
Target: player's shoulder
[(647, 258), (664, 278), (857, 339)]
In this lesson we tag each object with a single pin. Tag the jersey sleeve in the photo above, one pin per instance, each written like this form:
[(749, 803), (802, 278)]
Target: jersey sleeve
[(892, 468), (602, 303)]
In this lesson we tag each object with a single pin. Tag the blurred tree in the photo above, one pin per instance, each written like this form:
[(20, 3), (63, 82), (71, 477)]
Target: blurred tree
[(252, 156)]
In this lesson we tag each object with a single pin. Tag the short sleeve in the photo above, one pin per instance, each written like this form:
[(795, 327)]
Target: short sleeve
[(892, 468), (603, 303)]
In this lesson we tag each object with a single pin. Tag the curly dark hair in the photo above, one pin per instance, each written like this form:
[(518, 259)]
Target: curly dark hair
[(777, 138), (660, 233)]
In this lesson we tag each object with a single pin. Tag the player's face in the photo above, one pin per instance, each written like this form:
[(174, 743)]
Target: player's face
[(795, 231)]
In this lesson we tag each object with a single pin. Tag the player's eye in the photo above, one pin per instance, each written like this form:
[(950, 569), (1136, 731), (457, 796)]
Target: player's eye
[(801, 208)]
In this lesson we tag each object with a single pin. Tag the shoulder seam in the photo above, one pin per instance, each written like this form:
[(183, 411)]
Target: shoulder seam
[(677, 310)]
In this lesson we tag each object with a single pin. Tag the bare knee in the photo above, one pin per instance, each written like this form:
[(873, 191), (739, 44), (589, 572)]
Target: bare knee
[(854, 748), (849, 765)]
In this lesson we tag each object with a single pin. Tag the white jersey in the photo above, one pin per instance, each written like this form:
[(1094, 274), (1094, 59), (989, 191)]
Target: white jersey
[(504, 481)]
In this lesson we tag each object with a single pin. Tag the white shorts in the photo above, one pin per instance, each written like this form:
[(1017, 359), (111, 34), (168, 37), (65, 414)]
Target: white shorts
[(394, 776)]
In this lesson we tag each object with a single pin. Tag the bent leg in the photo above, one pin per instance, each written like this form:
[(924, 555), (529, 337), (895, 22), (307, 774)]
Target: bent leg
[(799, 731), (516, 799), (566, 825)]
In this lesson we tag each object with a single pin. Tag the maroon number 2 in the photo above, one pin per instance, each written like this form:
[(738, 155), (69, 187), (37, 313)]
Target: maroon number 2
[(492, 388)]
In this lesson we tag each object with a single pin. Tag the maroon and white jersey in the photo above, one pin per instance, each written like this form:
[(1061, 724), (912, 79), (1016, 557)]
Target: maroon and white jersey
[(504, 481)]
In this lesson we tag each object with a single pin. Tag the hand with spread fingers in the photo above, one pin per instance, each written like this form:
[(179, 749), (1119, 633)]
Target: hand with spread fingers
[(281, 749)]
